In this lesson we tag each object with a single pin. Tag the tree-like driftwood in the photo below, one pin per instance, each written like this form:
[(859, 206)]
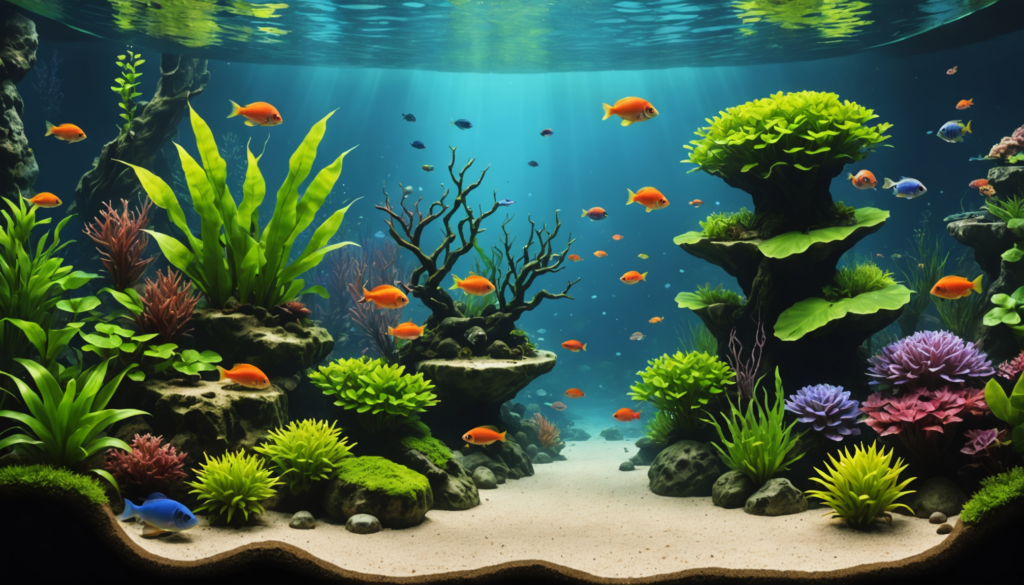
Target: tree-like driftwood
[(524, 268)]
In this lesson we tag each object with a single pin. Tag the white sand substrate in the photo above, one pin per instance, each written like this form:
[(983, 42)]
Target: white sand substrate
[(584, 514)]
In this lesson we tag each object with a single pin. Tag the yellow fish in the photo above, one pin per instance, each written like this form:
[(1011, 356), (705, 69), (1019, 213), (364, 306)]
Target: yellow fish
[(643, 256)]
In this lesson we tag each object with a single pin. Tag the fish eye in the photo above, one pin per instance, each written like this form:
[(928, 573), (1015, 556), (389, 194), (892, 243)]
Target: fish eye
[(920, 187)]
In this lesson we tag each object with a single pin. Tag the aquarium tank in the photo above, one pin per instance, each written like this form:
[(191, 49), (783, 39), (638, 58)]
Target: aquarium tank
[(578, 291)]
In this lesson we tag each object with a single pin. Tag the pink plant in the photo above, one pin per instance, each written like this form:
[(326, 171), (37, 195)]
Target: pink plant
[(149, 468), (984, 448), (1009, 145), (1011, 369)]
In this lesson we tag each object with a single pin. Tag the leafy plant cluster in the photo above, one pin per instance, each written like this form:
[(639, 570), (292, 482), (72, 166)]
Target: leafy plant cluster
[(727, 225), (680, 386), (1010, 410), (125, 86), (232, 485), (858, 279), (1007, 311), (110, 341), (996, 492), (305, 452), (706, 296), (1009, 210)]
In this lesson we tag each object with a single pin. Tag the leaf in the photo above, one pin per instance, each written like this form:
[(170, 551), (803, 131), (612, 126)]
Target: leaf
[(747, 167), (1003, 301), (316, 290), (112, 329), (137, 376), (1014, 254), (162, 352), (792, 243), (210, 357), (811, 314), (688, 238), (79, 305)]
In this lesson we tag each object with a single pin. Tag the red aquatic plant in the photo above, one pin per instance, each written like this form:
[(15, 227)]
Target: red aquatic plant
[(122, 243), (1011, 369), (547, 432), (168, 306), (149, 467)]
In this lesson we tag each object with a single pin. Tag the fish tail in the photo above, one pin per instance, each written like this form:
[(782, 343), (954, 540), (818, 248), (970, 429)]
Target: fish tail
[(457, 281), (607, 112), (584, 213), (49, 129), (223, 374), (584, 347), (888, 183), (643, 276), (391, 330), (453, 121), (501, 437), (366, 295), (632, 196), (129, 511), (967, 128), (977, 284), (849, 176), (636, 416), (235, 109)]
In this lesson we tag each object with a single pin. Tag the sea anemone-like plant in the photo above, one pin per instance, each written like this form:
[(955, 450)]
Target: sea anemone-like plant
[(828, 409), (149, 467), (929, 359), (122, 243), (1011, 369), (305, 452), (547, 432), (167, 306), (233, 485), (862, 488), (682, 385)]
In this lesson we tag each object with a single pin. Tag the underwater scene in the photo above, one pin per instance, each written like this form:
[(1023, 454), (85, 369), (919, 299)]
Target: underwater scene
[(512, 291)]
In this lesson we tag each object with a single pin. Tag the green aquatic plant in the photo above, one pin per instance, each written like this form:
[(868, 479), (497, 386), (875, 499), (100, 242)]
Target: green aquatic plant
[(232, 257), (843, 212), (305, 452), (814, 313), (862, 488), (125, 84), (1010, 409), (831, 19), (489, 267), (1007, 311), (727, 225), (1007, 210), (380, 475), (53, 481), (859, 279), (661, 428), (232, 485), (761, 441), (681, 386), (996, 492), (706, 296), (697, 337), (921, 269)]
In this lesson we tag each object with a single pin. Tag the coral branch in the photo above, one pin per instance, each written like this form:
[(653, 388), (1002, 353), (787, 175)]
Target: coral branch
[(123, 243), (527, 268), (746, 370), (547, 432)]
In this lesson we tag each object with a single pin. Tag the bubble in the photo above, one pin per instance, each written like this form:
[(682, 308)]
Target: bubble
[(616, 353), (667, 285), (604, 313), (681, 270), (594, 297), (718, 202)]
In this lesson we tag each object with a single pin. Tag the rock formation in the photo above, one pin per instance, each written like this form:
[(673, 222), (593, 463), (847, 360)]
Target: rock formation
[(18, 43)]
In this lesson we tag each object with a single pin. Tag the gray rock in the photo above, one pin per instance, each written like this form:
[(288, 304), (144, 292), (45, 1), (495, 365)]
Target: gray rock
[(448, 349), (532, 450), (484, 479), (575, 434), (515, 459), (627, 466), (732, 489), (519, 408), (18, 44), (937, 518), (452, 487), (362, 524), (531, 409), (302, 520), (944, 529), (777, 497), (483, 459), (684, 469), (476, 336), (499, 350), (936, 494), (612, 434), (542, 457), (402, 509), (648, 450), (1006, 179), (521, 438)]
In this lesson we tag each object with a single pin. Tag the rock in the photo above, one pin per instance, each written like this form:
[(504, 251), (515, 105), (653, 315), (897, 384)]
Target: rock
[(452, 488), (484, 479), (648, 450), (777, 497), (499, 350), (626, 466), (575, 434), (394, 494), (684, 469), (362, 524), (243, 339), (482, 459), (612, 434), (944, 529), (531, 450), (302, 520), (1006, 179), (516, 460), (531, 409), (18, 44), (521, 438), (476, 336), (937, 518), (732, 489), (448, 349), (542, 458), (519, 408), (936, 494)]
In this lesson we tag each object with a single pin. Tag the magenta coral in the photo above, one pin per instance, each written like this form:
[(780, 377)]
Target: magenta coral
[(1011, 369), (1009, 145), (149, 468), (929, 359)]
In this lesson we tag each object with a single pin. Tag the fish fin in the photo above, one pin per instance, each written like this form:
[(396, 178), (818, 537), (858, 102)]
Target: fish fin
[(150, 531), (584, 213), (607, 112), (626, 123), (502, 439), (643, 276), (49, 129), (155, 496), (887, 183), (967, 128), (235, 109), (129, 511), (453, 121), (902, 196), (250, 123), (632, 196), (456, 285), (649, 210), (850, 176), (584, 347), (391, 330), (977, 284), (222, 373), (366, 294)]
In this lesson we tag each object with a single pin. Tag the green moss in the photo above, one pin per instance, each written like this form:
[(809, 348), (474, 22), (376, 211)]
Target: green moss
[(996, 491), (861, 278), (53, 481), (434, 449), (727, 225), (844, 212), (379, 474), (706, 296)]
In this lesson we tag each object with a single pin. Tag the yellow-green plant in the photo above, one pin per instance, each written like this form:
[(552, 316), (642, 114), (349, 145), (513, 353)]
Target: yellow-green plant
[(231, 256), (832, 19), (125, 84), (860, 278), (305, 452), (235, 483), (862, 488), (726, 225), (681, 385)]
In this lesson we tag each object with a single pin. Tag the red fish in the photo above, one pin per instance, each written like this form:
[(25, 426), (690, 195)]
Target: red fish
[(385, 296), (574, 393), (956, 287), (245, 375), (65, 132), (626, 415), (631, 109), (649, 197), (483, 436), (595, 213), (977, 183), (632, 277), (863, 180), (46, 200), (256, 114), (574, 346), (964, 104), (696, 203), (574, 258), (557, 406)]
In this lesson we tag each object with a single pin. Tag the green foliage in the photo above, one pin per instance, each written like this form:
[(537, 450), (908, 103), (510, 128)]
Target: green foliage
[(860, 279), (681, 385), (813, 313), (489, 267), (862, 488), (1010, 409), (1007, 311), (125, 85), (232, 485), (803, 131), (661, 428), (727, 225), (760, 440), (190, 362), (996, 492), (305, 452), (227, 258), (379, 474), (434, 449), (53, 481), (1007, 210), (706, 296), (64, 427), (697, 337), (921, 268), (843, 212)]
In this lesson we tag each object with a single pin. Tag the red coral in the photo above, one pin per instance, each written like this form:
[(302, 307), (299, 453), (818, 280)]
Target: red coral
[(1011, 369), (148, 468), (125, 243), (547, 432), (1009, 145), (168, 306)]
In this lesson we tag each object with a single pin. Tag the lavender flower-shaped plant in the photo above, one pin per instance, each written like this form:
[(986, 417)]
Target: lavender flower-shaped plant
[(929, 360), (828, 408)]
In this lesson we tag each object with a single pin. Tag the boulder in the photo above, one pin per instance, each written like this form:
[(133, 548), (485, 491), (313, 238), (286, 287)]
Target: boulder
[(452, 488), (532, 450), (519, 408), (476, 336), (362, 524), (542, 458), (936, 494), (483, 458), (484, 479), (612, 434), (18, 44), (575, 434), (517, 461), (937, 518), (732, 489), (499, 350), (684, 469), (627, 466), (777, 497), (648, 450), (394, 494), (1006, 180), (448, 349), (302, 520)]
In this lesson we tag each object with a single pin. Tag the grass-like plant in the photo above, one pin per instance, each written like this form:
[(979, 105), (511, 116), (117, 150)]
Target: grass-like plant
[(996, 492), (862, 488), (125, 86), (697, 337), (681, 385), (858, 279), (728, 225), (232, 485), (761, 441), (719, 294), (1006, 209), (305, 452), (661, 427), (231, 257), (922, 267)]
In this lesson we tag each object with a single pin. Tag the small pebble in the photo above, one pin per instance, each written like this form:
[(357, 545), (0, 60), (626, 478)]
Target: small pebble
[(484, 479), (627, 466), (937, 518), (362, 524), (945, 529), (210, 394), (302, 520)]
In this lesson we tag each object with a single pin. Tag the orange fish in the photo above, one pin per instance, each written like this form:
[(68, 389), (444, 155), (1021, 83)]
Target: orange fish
[(655, 319), (600, 253), (977, 183), (696, 203), (557, 406), (256, 114), (626, 415), (633, 277), (956, 287), (385, 296), (631, 110), (574, 346), (595, 213), (964, 104), (407, 330), (920, 265), (863, 180), (66, 132), (951, 71), (649, 197), (880, 255), (574, 258), (47, 200), (616, 237), (483, 436), (245, 375), (574, 393), (473, 284)]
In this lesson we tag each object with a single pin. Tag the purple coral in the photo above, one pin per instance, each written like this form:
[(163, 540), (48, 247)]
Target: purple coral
[(1011, 369), (828, 409), (1009, 145), (929, 359)]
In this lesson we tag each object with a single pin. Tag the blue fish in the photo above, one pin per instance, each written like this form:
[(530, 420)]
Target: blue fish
[(462, 124), (506, 202), (953, 131), (905, 188), (409, 117), (379, 235), (533, 163), (418, 144), (159, 514)]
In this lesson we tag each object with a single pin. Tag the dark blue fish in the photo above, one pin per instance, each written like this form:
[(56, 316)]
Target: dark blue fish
[(462, 124), (953, 131), (546, 132), (905, 188), (160, 515), (533, 163), (409, 117), (418, 144), (506, 202)]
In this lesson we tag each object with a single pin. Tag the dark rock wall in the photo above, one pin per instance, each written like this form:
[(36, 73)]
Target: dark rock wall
[(18, 44)]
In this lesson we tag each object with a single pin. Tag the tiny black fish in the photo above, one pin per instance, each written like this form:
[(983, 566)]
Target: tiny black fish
[(418, 144), (409, 117), (533, 163), (462, 124), (546, 132)]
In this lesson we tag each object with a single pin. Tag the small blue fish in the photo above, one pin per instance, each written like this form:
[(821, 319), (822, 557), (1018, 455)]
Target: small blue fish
[(462, 124), (418, 144), (159, 514), (929, 132), (533, 163), (953, 131), (409, 117), (506, 202), (379, 235), (905, 188)]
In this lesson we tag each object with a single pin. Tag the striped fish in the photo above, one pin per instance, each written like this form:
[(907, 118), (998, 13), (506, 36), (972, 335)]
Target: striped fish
[(953, 131)]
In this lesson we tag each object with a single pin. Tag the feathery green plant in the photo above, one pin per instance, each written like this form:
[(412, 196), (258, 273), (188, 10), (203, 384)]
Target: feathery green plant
[(996, 491), (719, 294), (681, 385), (306, 451), (233, 484), (661, 427), (921, 269), (1006, 209), (125, 85), (721, 225), (861, 278), (697, 337)]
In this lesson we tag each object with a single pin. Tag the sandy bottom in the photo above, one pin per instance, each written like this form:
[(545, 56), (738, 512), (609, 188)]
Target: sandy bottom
[(584, 514)]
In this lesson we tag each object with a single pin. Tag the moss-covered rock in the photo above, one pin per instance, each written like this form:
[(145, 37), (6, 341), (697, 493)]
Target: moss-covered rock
[(438, 453), (394, 494), (451, 486), (46, 480)]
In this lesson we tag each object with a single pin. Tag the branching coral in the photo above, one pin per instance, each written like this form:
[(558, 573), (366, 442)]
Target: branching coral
[(828, 409), (929, 359), (547, 432), (168, 306), (378, 264), (1009, 146), (149, 467)]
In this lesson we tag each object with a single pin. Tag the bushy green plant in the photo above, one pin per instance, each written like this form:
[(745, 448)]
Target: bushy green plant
[(843, 212), (858, 279), (996, 491), (125, 86), (761, 441), (725, 225), (233, 484), (55, 481), (304, 452), (231, 257), (1010, 409), (862, 488), (1007, 311), (681, 385), (342, 377), (719, 294), (661, 427), (1006, 209)]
